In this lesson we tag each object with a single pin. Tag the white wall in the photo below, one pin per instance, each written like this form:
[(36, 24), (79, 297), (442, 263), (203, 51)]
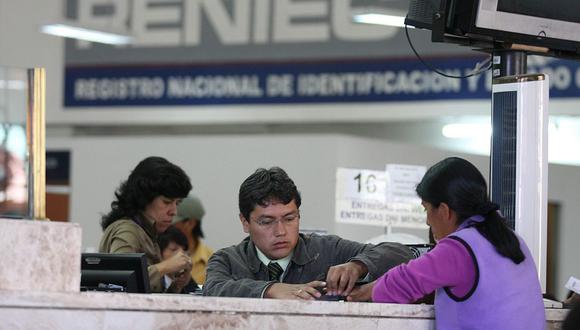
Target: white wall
[(563, 185), (217, 165), (23, 46)]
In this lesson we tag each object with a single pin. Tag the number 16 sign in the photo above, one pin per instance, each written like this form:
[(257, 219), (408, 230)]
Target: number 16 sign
[(360, 184)]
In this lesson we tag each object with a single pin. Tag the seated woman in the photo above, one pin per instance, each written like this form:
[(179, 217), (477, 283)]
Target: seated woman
[(483, 274), (144, 207), (172, 242)]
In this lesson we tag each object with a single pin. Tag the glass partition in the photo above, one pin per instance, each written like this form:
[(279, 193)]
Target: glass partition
[(22, 143)]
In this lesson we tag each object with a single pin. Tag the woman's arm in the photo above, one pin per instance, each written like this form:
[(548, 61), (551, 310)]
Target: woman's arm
[(449, 264)]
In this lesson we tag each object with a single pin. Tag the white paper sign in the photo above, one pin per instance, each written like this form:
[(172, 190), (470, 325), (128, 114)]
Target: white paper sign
[(408, 215), (403, 181), (573, 284), (360, 184), (361, 198)]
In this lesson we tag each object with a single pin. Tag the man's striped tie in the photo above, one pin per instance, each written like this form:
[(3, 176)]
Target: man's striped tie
[(275, 271)]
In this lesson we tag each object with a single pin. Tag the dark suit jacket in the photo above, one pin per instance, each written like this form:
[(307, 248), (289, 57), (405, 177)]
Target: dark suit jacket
[(236, 271)]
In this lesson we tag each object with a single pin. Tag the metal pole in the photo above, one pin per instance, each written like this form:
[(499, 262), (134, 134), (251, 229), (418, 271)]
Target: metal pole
[(509, 63)]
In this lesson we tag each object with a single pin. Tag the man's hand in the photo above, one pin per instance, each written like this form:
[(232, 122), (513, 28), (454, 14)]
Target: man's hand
[(362, 293), (340, 279), (305, 291)]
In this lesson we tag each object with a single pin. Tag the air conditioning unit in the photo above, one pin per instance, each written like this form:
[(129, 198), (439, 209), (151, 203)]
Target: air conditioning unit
[(519, 158)]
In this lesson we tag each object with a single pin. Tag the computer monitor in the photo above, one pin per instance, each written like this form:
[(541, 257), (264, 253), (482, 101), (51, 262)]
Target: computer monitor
[(544, 26), (117, 272)]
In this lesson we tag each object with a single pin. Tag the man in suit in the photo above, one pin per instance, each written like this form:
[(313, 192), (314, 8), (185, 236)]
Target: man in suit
[(276, 261)]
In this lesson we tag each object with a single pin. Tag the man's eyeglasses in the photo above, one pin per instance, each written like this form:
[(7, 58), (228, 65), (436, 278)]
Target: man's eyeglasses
[(269, 222)]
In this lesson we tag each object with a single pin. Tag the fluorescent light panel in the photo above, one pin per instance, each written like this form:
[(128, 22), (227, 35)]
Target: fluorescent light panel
[(12, 84), (474, 137), (380, 19), (70, 31), (466, 131)]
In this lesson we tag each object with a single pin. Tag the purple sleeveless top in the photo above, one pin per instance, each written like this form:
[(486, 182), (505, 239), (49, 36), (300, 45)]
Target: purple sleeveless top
[(504, 295)]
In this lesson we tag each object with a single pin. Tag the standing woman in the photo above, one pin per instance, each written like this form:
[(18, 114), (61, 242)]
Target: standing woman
[(483, 274), (144, 207)]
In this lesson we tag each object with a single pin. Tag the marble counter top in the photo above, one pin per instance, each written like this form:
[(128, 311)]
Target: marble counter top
[(185, 303), (170, 302), (154, 310), (101, 310)]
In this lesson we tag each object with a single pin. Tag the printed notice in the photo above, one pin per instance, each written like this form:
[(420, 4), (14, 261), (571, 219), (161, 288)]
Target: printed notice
[(361, 198), (404, 179)]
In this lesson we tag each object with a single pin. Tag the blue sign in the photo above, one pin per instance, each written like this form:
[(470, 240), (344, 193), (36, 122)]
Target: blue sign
[(366, 80)]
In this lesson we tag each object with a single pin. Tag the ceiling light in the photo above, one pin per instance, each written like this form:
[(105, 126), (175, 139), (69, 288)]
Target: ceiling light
[(465, 131), (13, 84), (71, 30), (380, 19)]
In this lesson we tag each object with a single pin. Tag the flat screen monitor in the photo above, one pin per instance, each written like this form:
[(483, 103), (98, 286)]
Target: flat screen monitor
[(556, 19), (549, 26), (117, 272)]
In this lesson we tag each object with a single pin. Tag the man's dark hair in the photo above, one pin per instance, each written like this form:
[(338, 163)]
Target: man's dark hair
[(151, 178), (172, 234), (266, 186), (459, 184)]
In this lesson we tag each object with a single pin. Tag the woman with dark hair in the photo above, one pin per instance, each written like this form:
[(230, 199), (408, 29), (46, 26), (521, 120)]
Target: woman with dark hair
[(483, 274), (144, 207)]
